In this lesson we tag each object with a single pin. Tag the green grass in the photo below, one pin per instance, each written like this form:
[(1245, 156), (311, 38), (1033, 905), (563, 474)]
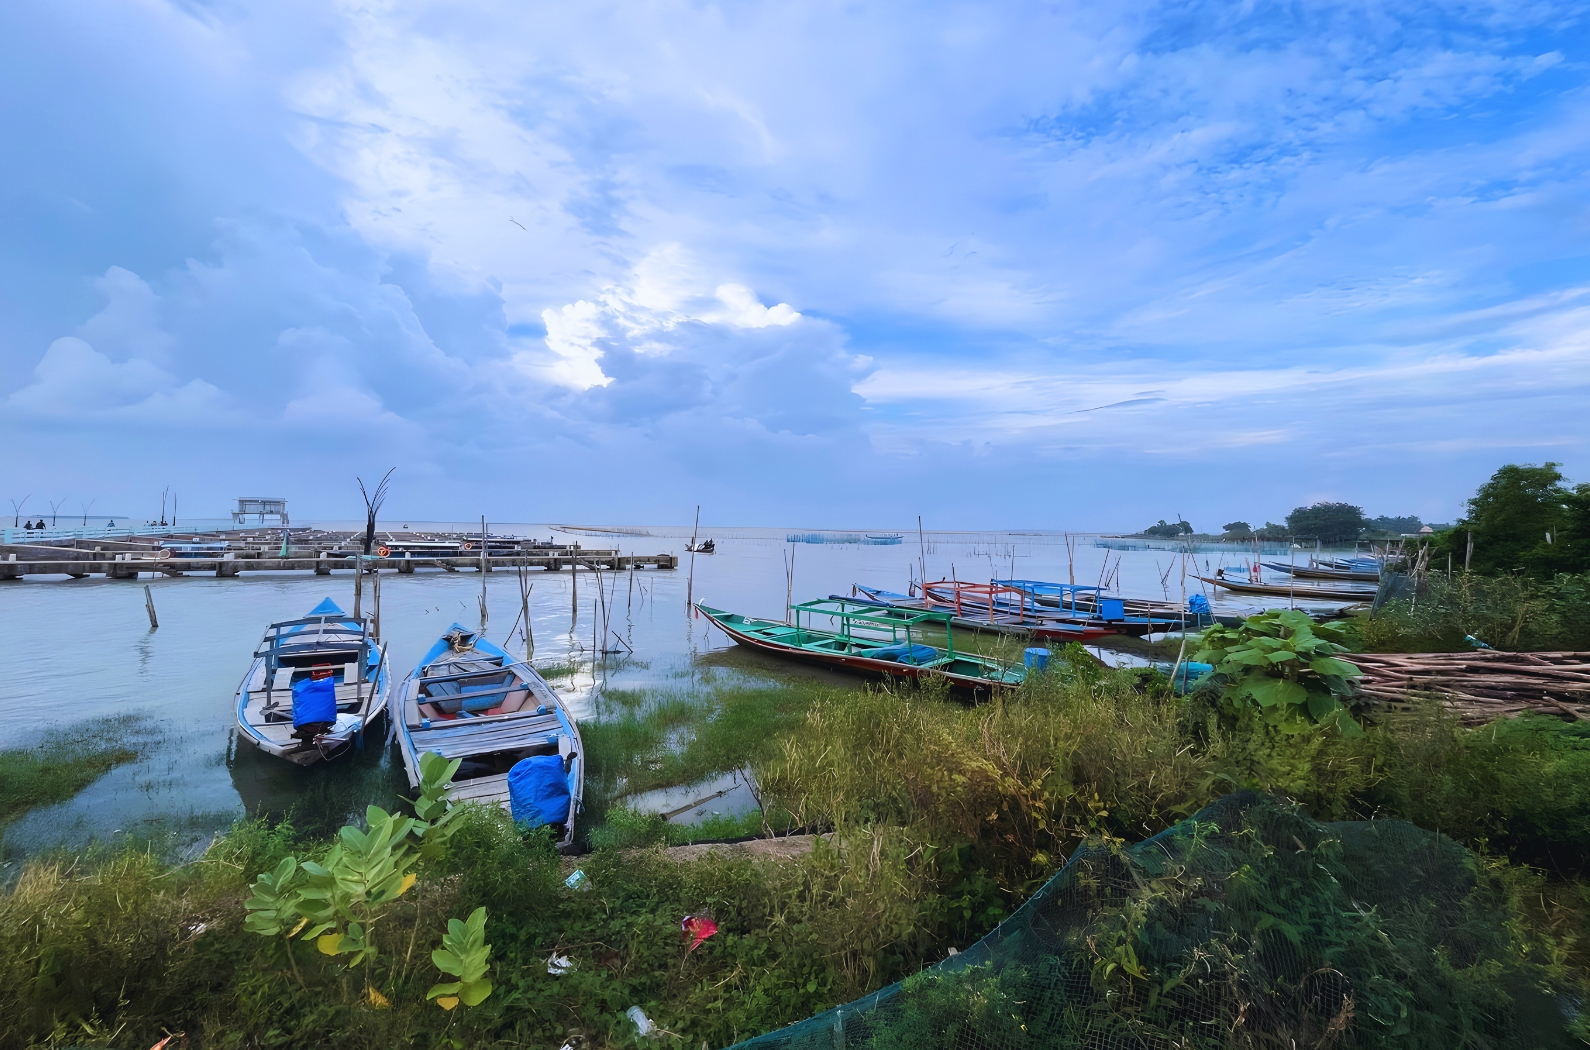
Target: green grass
[(944, 817), (671, 738), (64, 763)]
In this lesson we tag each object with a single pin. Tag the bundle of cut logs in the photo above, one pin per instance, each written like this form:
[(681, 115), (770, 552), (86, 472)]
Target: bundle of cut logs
[(1480, 686)]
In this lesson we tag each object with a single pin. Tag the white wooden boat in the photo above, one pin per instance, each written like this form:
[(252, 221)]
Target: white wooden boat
[(326, 644), (470, 699)]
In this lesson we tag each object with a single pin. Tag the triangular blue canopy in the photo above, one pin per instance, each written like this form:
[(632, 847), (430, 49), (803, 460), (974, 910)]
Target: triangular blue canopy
[(327, 607)]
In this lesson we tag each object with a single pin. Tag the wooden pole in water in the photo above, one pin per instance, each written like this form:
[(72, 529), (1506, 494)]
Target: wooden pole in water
[(358, 584), (375, 600), (921, 545), (149, 606), (484, 568), (690, 586), (525, 587)]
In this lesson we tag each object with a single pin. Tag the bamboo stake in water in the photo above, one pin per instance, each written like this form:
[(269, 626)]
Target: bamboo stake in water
[(922, 550), (525, 587), (149, 606), (375, 599), (690, 585), (484, 568), (358, 584)]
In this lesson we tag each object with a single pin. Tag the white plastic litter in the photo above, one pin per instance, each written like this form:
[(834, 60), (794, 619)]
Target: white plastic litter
[(558, 965), (577, 880), (642, 1022)]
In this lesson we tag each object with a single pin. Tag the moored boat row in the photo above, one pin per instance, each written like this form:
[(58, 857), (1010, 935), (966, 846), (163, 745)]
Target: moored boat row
[(319, 685)]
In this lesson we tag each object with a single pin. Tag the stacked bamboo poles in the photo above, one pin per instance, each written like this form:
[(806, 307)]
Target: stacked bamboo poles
[(1480, 686)]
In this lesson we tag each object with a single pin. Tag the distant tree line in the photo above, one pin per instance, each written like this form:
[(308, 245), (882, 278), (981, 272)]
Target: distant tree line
[(1526, 519), (1326, 522)]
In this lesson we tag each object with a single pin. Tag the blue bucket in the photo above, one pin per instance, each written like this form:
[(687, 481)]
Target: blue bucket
[(1035, 658)]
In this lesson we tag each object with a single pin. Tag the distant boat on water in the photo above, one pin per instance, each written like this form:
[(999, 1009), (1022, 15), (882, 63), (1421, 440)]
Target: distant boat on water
[(315, 686)]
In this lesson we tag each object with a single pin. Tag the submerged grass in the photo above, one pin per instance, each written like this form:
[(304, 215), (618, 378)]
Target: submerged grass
[(64, 763), (670, 738)]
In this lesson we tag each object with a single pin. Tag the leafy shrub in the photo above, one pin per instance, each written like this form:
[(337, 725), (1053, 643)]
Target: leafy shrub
[(1285, 664)]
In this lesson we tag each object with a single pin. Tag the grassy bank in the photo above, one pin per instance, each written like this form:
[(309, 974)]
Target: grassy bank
[(943, 819)]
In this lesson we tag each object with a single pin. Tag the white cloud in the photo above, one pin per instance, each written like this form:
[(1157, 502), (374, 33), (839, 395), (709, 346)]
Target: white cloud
[(666, 290), (78, 384)]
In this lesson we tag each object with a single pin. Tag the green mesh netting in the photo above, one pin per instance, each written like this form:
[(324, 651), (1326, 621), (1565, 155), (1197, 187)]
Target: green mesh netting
[(1248, 925)]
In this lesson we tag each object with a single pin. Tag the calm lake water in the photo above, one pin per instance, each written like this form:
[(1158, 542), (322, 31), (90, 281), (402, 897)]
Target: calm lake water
[(78, 655)]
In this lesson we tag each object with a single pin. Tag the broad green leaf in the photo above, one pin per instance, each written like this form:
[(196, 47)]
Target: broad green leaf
[(1326, 665), (1270, 692), (473, 993), (1322, 706)]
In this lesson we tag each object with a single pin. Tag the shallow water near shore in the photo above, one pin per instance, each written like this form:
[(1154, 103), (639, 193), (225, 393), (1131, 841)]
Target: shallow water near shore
[(80, 651)]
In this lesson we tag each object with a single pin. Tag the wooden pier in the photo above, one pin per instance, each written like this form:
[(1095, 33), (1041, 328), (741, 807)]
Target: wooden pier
[(129, 559)]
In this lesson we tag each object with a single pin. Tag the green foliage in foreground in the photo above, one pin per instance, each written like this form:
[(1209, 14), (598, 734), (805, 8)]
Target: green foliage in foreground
[(1248, 925), (944, 819), (337, 901), (61, 766), (1287, 665), (1516, 613)]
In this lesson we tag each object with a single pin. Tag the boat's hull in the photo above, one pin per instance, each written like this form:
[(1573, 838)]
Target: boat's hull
[(1305, 572), (1303, 592), (851, 662)]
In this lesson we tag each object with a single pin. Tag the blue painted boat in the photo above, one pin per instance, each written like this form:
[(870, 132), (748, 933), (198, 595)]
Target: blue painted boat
[(329, 655), (469, 699), (1084, 604)]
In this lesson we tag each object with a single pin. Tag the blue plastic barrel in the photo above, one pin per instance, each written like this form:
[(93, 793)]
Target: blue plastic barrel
[(1035, 658)]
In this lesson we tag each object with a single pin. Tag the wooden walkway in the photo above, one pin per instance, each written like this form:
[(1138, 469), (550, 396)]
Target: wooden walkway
[(18, 561)]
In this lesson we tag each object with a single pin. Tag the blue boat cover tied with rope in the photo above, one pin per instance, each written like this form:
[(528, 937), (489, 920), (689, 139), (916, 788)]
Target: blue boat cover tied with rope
[(1198, 604), (900, 652), (538, 791), (314, 701)]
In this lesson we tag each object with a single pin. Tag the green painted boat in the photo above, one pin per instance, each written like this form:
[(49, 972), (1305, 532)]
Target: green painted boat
[(868, 639)]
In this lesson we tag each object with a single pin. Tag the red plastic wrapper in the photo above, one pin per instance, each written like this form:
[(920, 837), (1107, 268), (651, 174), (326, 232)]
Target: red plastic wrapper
[(698, 928)]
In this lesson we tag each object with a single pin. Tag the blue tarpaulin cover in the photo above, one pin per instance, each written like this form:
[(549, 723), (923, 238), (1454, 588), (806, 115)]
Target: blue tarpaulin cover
[(314, 701), (538, 792), (901, 653)]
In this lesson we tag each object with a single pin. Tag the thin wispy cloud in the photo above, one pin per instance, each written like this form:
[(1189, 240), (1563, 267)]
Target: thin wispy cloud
[(764, 257)]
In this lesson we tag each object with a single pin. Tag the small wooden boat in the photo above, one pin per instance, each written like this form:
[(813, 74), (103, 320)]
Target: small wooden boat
[(859, 644), (470, 699), (1076, 597), (1323, 572), (1300, 591), (1022, 599), (328, 655), (973, 617), (704, 547)]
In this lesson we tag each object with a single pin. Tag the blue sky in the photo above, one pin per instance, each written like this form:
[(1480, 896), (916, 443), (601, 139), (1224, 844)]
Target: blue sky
[(1062, 266)]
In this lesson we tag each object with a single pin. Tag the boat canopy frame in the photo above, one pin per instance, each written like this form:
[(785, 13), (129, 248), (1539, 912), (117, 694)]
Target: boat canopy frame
[(1066, 592), (280, 641), (849, 612)]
